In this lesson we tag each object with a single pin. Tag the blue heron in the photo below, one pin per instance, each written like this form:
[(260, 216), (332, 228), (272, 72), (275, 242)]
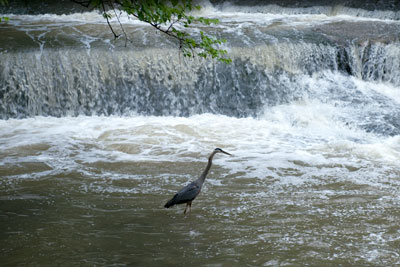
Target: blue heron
[(190, 192)]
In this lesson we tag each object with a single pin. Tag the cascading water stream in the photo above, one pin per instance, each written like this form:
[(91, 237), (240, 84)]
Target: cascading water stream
[(96, 136), (269, 60)]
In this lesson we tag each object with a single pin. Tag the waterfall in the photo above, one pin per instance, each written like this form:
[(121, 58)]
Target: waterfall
[(61, 82), (68, 65)]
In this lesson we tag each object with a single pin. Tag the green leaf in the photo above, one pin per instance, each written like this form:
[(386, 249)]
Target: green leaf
[(164, 16), (106, 15), (140, 16)]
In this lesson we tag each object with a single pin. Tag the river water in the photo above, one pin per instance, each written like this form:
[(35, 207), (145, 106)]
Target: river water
[(95, 137)]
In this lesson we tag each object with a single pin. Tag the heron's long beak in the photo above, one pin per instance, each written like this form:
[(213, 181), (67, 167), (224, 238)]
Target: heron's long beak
[(226, 153)]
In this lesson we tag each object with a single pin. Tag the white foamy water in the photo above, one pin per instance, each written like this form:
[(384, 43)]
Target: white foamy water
[(229, 21), (313, 180), (231, 18), (308, 136), (336, 128)]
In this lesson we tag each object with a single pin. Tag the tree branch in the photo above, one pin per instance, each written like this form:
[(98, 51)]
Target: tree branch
[(163, 16), (108, 21), (119, 22)]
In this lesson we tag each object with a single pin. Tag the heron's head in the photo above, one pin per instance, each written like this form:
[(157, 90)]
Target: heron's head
[(219, 150)]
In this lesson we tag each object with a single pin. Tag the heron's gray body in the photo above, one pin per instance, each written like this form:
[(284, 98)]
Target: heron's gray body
[(190, 191), (186, 194)]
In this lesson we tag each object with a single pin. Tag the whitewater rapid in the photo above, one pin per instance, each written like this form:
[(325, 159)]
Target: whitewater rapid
[(95, 137), (308, 137)]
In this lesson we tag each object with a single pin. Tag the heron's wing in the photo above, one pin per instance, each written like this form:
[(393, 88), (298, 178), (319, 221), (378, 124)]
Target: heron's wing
[(188, 193)]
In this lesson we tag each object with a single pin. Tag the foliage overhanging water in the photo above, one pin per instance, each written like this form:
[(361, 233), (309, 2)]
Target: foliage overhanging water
[(309, 107)]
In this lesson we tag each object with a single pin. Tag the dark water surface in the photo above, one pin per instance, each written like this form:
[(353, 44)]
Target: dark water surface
[(72, 218), (94, 194), (95, 137)]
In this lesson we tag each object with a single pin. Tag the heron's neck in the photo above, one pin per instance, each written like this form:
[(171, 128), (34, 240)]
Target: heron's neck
[(207, 169)]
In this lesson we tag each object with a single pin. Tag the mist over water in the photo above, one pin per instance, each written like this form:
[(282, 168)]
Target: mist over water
[(95, 137)]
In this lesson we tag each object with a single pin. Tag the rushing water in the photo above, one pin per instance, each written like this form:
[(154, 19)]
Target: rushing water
[(96, 137)]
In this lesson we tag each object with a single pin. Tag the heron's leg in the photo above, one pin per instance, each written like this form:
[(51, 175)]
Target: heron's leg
[(188, 204)]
